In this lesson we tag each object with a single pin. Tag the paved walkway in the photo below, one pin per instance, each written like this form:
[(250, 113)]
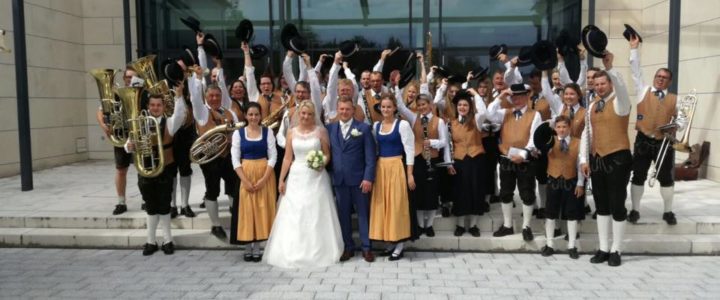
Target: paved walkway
[(107, 274)]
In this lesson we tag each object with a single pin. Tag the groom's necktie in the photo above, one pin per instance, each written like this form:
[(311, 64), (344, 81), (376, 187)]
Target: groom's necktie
[(345, 129)]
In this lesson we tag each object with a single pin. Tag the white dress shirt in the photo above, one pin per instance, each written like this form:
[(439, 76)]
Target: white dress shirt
[(411, 117)]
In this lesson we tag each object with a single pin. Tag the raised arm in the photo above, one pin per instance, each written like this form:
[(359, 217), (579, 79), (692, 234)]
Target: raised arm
[(226, 101), (379, 65), (251, 86), (623, 103), (552, 98), (637, 75), (287, 71), (315, 90), (177, 119), (200, 111), (202, 57), (330, 101), (350, 75), (405, 112), (439, 100), (512, 72)]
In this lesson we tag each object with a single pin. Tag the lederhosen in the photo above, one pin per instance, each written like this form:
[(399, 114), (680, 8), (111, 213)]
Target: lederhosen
[(610, 159), (541, 106), (651, 114), (426, 193), (183, 140), (157, 191), (562, 180), (468, 190), (221, 167), (577, 126), (516, 133)]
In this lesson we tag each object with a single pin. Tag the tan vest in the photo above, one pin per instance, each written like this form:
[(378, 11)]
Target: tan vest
[(466, 138), (653, 113), (543, 107), (269, 107), (433, 134), (578, 122), (374, 116), (563, 164), (609, 131), (449, 110), (515, 133)]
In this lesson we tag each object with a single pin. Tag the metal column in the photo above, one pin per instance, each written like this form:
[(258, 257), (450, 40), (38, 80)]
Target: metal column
[(674, 44), (23, 105)]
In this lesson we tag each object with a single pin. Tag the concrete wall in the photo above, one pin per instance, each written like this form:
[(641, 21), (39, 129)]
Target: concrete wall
[(699, 66), (64, 39)]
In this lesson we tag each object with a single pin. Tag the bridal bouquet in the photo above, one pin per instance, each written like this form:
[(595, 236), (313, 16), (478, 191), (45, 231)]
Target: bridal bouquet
[(315, 159)]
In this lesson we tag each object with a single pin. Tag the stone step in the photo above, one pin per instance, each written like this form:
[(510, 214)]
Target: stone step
[(444, 240), (489, 222)]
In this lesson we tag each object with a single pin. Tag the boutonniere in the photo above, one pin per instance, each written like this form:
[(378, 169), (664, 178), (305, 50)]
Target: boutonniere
[(355, 133)]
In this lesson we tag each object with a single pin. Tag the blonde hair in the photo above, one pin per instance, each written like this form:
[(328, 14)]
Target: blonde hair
[(413, 83), (309, 104)]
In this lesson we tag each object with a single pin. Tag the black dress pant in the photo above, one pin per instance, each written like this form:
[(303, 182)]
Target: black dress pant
[(520, 175), (182, 142), (646, 151), (610, 175), (220, 168), (157, 191)]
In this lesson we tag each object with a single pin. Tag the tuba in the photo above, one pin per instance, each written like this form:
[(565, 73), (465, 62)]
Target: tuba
[(213, 143), (145, 69), (112, 109), (144, 132)]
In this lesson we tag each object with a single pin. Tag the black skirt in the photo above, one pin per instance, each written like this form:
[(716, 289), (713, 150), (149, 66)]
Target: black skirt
[(426, 193), (468, 187), (492, 153)]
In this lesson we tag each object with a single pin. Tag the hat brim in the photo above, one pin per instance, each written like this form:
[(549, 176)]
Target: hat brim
[(544, 55), (298, 45), (258, 51), (544, 137), (348, 48), (479, 73), (288, 32), (629, 32), (594, 50), (191, 24), (212, 47), (244, 31), (442, 72)]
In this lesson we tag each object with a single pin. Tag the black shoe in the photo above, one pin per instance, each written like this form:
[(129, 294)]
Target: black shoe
[(557, 232), (257, 258), (535, 211), (248, 257), (149, 249), (540, 214), (173, 212), (599, 257), (587, 209), (120, 208), (503, 231), (420, 231), (202, 204), (486, 208), (577, 236), (594, 215), (494, 199), (614, 259), (445, 211), (527, 234), (572, 252), (394, 257), (142, 206), (187, 212), (168, 248), (430, 232), (669, 217), (474, 231), (633, 216), (547, 251), (459, 231), (387, 252), (218, 232)]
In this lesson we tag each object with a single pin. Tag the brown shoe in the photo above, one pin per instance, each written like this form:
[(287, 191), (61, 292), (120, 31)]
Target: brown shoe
[(368, 256), (347, 255)]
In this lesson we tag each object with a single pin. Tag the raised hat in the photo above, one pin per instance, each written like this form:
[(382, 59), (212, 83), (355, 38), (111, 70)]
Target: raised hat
[(258, 51), (189, 56), (191, 23), (462, 95), (442, 72), (298, 44), (212, 47), (629, 32), (525, 56), (496, 50), (244, 31), (594, 40), (172, 71), (544, 55), (348, 48), (544, 137), (287, 33), (566, 43), (479, 72)]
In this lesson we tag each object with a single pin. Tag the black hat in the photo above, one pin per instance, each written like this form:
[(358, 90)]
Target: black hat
[(348, 48), (496, 50), (442, 72), (462, 95), (407, 75), (189, 57), (479, 73), (172, 71), (258, 51), (519, 89), (629, 31), (525, 56), (544, 55), (566, 43), (212, 47), (572, 64), (287, 33), (456, 79), (191, 23), (394, 44), (298, 44), (594, 40), (244, 31), (544, 137)]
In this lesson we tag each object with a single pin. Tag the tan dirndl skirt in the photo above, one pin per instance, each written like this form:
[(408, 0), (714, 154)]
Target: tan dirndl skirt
[(256, 211), (389, 210)]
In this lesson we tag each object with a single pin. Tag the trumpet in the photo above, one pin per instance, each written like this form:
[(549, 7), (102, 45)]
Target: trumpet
[(272, 121), (426, 150), (144, 133), (112, 109), (213, 143)]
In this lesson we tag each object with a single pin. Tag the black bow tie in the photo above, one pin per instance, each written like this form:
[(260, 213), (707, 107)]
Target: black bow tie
[(660, 94), (518, 114)]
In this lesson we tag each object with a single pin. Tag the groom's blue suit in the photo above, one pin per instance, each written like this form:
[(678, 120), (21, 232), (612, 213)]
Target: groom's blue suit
[(353, 160)]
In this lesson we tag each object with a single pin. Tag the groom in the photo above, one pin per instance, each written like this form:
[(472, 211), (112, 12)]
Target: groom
[(353, 173)]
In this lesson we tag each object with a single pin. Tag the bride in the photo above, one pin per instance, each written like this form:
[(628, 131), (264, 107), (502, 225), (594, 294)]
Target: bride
[(306, 232)]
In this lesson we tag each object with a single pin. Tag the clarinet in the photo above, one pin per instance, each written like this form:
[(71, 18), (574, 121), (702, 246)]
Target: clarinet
[(588, 186), (367, 110), (426, 150)]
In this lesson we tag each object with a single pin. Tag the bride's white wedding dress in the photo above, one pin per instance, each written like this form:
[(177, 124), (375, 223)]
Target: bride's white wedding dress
[(306, 232)]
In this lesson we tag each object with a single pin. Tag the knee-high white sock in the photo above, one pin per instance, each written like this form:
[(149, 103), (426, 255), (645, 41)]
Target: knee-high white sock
[(185, 182), (399, 248), (496, 180), (165, 221), (430, 215), (636, 193), (473, 220), (152, 224), (542, 195), (212, 210), (421, 218), (618, 229), (249, 248), (507, 214), (460, 221), (667, 193), (603, 226), (173, 203), (549, 232), (572, 233), (258, 248), (527, 215)]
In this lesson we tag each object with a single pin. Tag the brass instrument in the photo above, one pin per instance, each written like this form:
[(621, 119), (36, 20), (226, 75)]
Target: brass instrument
[(144, 133), (112, 109), (451, 145), (683, 121), (426, 150), (213, 143), (368, 116), (145, 69), (588, 182), (272, 121)]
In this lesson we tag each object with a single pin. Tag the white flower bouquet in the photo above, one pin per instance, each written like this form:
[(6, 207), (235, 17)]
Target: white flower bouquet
[(315, 160)]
